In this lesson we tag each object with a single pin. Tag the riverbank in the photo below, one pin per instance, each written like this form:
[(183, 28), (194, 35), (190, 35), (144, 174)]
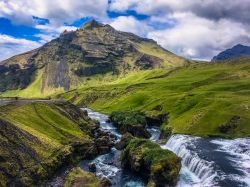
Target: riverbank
[(37, 138), (205, 161)]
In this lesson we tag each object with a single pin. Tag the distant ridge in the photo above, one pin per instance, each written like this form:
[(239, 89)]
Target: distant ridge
[(233, 53)]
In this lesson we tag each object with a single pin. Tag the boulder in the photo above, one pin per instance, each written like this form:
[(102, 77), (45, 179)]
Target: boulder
[(92, 167), (146, 158), (130, 122), (124, 141), (103, 142)]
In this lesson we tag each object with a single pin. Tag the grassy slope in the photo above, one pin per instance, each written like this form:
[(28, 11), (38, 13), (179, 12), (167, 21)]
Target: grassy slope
[(40, 135), (199, 98), (78, 177)]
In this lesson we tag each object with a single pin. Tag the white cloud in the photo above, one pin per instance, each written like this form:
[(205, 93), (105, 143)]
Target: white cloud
[(10, 46), (57, 11), (50, 31), (211, 9), (200, 38), (194, 29), (130, 24)]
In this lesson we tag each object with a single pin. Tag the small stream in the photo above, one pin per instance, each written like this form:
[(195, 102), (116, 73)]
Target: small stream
[(109, 165), (206, 162)]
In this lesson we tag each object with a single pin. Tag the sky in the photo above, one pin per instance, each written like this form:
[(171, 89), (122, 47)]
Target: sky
[(195, 29)]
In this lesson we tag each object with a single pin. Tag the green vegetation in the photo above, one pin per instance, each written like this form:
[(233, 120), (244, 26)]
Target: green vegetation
[(82, 57), (130, 121), (160, 166), (77, 177), (198, 99), (37, 138)]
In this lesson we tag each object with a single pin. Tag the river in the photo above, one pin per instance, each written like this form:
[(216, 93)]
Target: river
[(206, 162)]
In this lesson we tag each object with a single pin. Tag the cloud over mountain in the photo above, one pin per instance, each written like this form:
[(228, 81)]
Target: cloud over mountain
[(194, 29)]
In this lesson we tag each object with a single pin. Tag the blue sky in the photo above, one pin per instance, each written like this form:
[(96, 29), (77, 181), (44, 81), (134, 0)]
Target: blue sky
[(194, 29)]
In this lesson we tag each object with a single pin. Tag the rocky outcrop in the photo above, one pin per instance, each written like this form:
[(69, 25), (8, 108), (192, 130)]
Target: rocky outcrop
[(124, 141), (103, 141), (93, 49), (161, 167), (231, 125), (130, 122)]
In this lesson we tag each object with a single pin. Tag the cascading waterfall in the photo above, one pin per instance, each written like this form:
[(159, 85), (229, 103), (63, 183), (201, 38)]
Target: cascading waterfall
[(184, 147), (206, 162)]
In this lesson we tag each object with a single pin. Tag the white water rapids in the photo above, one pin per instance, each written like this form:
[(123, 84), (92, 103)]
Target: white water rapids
[(206, 162), (212, 162)]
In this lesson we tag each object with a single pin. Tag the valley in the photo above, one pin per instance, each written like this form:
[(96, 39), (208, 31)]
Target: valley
[(101, 107)]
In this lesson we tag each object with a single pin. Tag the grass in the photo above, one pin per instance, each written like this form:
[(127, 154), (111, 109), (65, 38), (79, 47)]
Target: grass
[(78, 177), (198, 98), (43, 120), (146, 157), (39, 137), (33, 90)]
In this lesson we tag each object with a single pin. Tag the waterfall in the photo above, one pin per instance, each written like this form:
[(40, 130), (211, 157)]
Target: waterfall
[(203, 170)]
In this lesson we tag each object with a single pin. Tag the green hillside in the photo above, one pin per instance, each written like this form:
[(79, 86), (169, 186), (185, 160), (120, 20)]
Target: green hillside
[(203, 99), (93, 51), (37, 138)]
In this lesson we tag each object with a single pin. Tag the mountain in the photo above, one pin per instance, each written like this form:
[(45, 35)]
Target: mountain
[(235, 52), (95, 49)]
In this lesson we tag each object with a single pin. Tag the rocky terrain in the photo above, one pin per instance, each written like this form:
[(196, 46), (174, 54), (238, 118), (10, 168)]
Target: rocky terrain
[(38, 138), (160, 167), (95, 49)]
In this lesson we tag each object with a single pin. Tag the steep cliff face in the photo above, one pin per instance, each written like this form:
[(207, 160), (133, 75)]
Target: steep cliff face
[(93, 49)]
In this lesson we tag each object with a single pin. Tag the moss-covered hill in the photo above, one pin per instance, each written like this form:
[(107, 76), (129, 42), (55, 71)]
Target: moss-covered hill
[(37, 138), (93, 51), (204, 99)]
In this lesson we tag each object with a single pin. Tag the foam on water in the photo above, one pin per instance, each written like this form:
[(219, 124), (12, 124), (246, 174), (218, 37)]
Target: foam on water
[(155, 133), (103, 122), (104, 168), (239, 155), (205, 162), (195, 171), (109, 165)]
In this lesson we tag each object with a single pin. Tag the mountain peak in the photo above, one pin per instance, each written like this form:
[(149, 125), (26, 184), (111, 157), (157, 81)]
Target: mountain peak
[(237, 51), (91, 24)]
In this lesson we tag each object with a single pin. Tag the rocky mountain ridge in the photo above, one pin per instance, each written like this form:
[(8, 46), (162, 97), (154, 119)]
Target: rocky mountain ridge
[(93, 49)]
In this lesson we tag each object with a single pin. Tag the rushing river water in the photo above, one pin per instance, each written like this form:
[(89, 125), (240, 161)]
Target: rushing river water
[(206, 162)]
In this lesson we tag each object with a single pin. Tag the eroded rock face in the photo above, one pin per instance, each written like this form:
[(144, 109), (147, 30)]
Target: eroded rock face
[(161, 167), (93, 49)]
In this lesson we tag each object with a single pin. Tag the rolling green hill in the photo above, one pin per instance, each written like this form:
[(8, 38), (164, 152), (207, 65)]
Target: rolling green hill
[(95, 51), (38, 138), (203, 99)]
